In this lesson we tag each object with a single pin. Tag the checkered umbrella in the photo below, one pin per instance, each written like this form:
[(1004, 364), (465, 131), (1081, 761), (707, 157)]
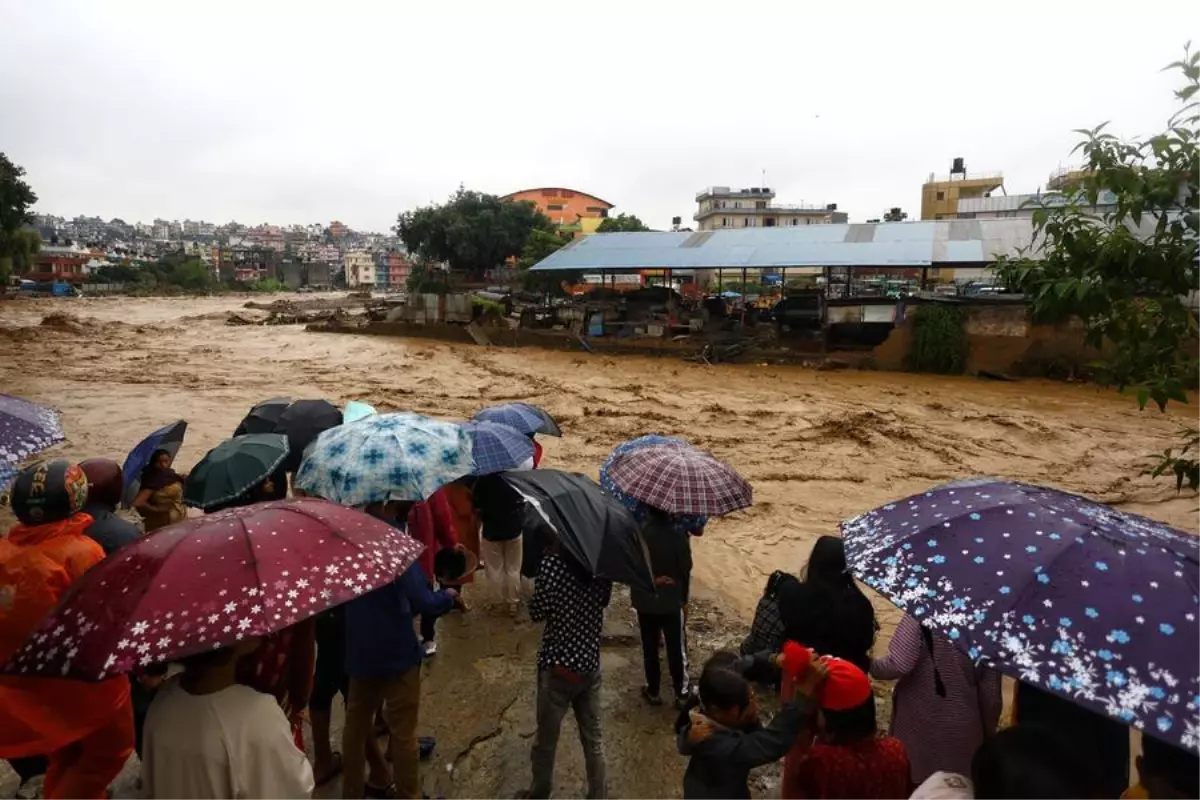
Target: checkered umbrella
[(497, 447), (680, 480)]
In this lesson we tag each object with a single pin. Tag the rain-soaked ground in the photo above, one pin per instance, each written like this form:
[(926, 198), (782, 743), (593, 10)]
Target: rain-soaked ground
[(817, 447)]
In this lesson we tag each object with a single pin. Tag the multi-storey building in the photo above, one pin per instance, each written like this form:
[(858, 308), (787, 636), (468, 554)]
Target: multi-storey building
[(720, 207), (940, 196)]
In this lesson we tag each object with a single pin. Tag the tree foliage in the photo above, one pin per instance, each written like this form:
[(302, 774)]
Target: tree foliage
[(17, 246), (425, 279), (541, 245), (939, 340), (622, 223), (472, 232), (1128, 273)]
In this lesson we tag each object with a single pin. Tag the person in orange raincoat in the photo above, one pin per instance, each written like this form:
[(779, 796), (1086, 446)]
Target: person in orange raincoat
[(85, 727)]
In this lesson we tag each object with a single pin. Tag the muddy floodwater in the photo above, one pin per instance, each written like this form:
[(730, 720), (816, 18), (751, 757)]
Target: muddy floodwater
[(817, 446)]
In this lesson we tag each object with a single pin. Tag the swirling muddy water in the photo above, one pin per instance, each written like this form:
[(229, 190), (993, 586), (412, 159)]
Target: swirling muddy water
[(817, 446)]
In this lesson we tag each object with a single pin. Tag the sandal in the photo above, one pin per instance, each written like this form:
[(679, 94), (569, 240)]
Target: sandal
[(335, 769), (379, 792)]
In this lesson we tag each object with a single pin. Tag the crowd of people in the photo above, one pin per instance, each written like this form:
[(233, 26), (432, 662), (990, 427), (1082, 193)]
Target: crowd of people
[(229, 722)]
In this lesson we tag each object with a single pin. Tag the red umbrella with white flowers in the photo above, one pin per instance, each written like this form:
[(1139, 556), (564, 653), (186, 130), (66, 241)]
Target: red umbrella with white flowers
[(680, 480), (209, 582)]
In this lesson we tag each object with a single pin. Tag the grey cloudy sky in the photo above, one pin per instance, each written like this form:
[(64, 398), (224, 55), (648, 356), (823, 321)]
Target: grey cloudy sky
[(304, 112)]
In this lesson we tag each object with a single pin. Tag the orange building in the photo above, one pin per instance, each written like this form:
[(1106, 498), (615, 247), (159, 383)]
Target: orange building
[(567, 208)]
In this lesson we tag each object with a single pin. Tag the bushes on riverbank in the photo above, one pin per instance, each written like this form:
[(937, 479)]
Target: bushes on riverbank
[(939, 340)]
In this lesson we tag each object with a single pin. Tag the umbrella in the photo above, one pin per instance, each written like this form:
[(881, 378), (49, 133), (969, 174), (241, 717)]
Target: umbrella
[(234, 467), (26, 428), (680, 480), (525, 417), (496, 447), (685, 522), (385, 457), (263, 416), (356, 410), (168, 437), (595, 529), (301, 422), (210, 581), (1066, 594)]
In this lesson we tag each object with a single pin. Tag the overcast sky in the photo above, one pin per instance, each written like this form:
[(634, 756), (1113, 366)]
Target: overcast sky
[(296, 112)]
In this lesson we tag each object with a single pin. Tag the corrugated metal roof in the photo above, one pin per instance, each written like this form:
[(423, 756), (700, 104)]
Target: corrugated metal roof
[(890, 244)]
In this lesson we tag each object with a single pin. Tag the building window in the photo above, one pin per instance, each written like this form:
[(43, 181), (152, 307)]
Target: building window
[(794, 221), (737, 204), (724, 222), (555, 207), (596, 210), (941, 195)]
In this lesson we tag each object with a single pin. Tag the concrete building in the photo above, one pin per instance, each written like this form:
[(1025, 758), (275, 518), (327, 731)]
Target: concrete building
[(360, 269), (391, 271), (720, 207), (337, 230), (570, 209), (940, 195), (1023, 205)]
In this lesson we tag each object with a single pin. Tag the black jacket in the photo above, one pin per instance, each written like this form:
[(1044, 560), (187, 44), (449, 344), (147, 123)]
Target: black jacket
[(501, 509), (720, 764), (108, 530), (834, 622), (671, 555)]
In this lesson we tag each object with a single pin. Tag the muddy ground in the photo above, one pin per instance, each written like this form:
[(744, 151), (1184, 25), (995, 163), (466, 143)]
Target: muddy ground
[(817, 447)]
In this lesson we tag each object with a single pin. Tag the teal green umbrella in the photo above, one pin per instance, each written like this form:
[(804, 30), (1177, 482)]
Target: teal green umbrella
[(356, 410), (234, 467)]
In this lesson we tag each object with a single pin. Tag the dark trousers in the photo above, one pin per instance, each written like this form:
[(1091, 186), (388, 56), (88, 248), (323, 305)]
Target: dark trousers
[(671, 627), (428, 621)]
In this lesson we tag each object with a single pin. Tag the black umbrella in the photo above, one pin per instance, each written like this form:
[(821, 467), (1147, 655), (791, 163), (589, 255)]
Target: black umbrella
[(302, 422), (263, 417), (595, 529)]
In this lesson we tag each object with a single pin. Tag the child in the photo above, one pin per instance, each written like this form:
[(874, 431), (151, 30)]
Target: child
[(851, 759), (723, 735)]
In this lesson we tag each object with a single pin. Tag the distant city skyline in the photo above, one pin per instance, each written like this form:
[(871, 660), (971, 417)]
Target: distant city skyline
[(360, 111)]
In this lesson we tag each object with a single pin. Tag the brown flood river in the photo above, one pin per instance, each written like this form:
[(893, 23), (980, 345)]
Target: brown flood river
[(817, 446)]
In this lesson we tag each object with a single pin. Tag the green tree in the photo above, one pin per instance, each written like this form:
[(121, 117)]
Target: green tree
[(16, 197), (622, 223), (425, 279), (1127, 274), (540, 246), (472, 232)]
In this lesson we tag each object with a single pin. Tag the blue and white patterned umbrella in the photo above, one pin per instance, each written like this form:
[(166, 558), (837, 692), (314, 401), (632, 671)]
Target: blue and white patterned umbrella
[(525, 417), (1064, 593), (684, 522), (496, 447), (26, 429), (385, 457)]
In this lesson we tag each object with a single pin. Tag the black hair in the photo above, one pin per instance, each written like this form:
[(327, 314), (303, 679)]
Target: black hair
[(826, 567), (1029, 761), (1175, 767), (851, 724), (722, 686)]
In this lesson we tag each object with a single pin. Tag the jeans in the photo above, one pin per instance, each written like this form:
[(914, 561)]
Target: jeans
[(558, 692), (672, 628), (502, 561), (401, 699)]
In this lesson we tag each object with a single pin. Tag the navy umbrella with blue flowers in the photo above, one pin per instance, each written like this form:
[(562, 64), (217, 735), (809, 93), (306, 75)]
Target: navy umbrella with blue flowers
[(1070, 595)]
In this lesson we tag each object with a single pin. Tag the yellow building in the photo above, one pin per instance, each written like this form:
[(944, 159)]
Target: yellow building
[(940, 194)]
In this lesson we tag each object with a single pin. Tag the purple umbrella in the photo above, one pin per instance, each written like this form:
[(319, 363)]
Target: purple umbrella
[(25, 429), (1061, 592)]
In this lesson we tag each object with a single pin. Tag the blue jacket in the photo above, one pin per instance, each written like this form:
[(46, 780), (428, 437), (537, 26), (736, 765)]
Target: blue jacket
[(380, 640)]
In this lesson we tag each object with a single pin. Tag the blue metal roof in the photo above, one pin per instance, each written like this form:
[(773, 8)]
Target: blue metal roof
[(891, 244)]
